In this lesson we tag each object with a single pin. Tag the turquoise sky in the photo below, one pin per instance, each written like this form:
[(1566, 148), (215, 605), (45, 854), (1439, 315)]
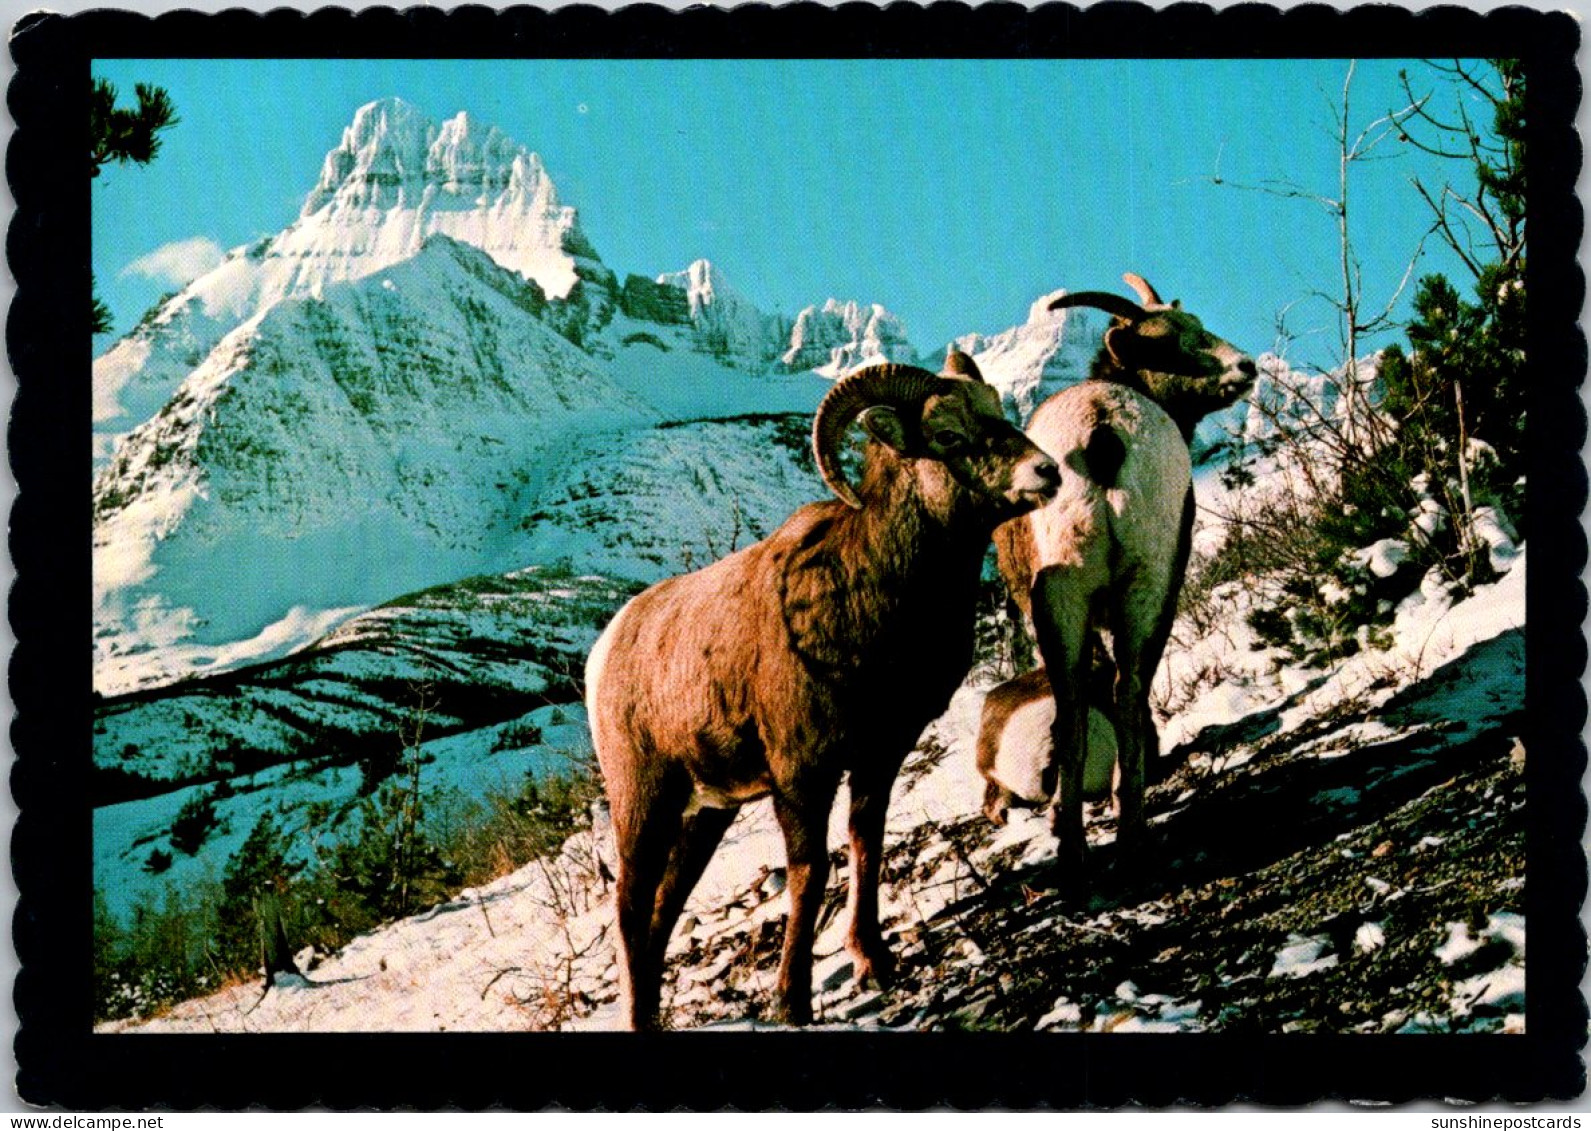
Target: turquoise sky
[(952, 192)]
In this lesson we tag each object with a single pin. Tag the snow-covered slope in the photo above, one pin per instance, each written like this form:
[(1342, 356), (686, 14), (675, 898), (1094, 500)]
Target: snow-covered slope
[(406, 430), (395, 179), (375, 398), (665, 500), (333, 452), (1336, 855), (489, 656), (1028, 362)]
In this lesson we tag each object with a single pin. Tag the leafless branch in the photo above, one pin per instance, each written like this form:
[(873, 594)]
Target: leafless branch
[(1286, 190), (1449, 236)]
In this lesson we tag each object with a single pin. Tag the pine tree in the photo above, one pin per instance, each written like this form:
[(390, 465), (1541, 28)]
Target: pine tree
[(194, 822), (122, 135), (1443, 469), (117, 134), (1462, 391), (254, 892)]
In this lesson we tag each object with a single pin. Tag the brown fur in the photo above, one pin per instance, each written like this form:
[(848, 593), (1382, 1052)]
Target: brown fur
[(1013, 544), (998, 707), (1173, 360), (819, 652)]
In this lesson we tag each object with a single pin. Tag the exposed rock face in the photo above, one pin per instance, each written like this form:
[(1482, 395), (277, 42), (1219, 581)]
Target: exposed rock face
[(837, 337), (728, 326), (648, 301)]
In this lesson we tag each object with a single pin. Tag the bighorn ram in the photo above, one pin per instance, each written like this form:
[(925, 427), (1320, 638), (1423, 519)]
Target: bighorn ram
[(1108, 553), (820, 651)]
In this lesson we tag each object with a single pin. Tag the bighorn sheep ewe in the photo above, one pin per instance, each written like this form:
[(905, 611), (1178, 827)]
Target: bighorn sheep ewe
[(820, 651), (1108, 554)]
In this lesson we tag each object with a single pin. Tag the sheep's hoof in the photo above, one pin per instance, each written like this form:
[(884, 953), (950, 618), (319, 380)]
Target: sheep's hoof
[(1070, 885), (873, 964), (996, 809), (794, 1012)]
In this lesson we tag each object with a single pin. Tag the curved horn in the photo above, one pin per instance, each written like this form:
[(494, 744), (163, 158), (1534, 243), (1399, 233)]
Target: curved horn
[(1146, 293), (958, 364), (877, 384), (1103, 300)]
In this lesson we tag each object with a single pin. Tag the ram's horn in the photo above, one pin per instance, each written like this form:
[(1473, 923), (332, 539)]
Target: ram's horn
[(1103, 300), (1146, 293), (895, 385)]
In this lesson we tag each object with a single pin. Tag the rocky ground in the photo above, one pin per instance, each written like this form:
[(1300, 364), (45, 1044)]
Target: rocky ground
[(1335, 850)]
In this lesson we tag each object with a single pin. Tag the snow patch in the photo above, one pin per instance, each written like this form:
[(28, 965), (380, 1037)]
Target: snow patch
[(1303, 956)]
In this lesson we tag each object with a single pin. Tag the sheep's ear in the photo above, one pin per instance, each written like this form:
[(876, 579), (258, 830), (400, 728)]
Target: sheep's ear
[(884, 425), (1176, 304), (1117, 339)]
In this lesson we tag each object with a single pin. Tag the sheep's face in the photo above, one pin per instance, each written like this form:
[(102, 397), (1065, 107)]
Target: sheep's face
[(949, 433), (1186, 369), (985, 454)]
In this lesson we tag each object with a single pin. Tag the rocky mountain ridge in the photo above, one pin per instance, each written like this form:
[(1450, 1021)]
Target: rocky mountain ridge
[(372, 399)]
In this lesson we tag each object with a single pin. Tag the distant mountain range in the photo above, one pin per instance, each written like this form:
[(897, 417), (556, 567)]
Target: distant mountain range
[(431, 374)]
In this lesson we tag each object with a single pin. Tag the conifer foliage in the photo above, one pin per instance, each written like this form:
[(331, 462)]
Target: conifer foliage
[(1422, 482), (121, 134)]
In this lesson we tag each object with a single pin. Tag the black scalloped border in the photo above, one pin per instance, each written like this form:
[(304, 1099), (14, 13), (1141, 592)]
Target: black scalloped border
[(62, 1062)]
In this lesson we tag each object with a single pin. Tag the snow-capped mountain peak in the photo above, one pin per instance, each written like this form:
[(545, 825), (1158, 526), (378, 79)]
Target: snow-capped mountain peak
[(1048, 352), (839, 336), (391, 154), (396, 178), (830, 339), (1040, 314), (728, 325), (703, 284)]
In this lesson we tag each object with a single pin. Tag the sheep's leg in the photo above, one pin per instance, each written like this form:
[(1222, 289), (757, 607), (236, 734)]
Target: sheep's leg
[(1130, 758), (1139, 642), (1155, 646), (1070, 741), (646, 822), (1061, 622), (869, 804), (697, 841), (996, 802), (804, 821)]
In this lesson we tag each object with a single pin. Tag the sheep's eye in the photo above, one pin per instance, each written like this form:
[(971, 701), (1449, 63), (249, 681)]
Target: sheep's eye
[(946, 438)]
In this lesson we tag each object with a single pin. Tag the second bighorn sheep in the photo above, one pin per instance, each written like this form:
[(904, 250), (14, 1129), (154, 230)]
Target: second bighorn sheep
[(1109, 552), (820, 652)]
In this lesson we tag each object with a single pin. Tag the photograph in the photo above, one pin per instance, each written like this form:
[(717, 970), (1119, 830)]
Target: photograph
[(995, 556)]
